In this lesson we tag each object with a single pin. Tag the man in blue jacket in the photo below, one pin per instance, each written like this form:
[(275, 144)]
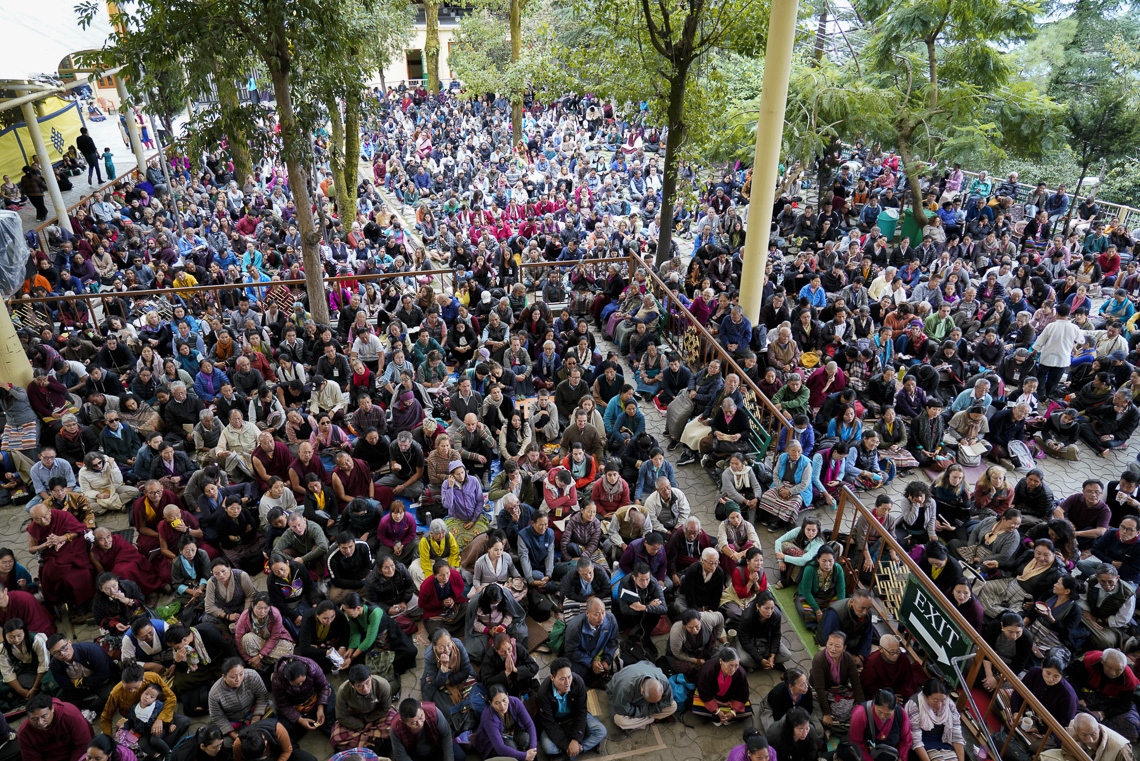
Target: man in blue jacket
[(735, 331), (83, 670), (591, 643)]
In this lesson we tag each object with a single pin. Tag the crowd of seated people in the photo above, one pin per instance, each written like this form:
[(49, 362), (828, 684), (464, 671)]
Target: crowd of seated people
[(435, 466)]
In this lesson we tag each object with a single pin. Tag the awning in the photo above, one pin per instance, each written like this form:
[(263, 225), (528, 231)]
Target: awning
[(39, 35)]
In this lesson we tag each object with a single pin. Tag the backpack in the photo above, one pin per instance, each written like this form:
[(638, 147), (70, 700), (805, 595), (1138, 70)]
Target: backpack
[(1020, 455), (880, 752), (682, 690)]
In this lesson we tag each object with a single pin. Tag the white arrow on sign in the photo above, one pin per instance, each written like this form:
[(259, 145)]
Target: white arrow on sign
[(931, 640)]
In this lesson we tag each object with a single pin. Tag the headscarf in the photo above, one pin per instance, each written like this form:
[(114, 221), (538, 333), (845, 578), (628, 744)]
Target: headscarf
[(407, 412)]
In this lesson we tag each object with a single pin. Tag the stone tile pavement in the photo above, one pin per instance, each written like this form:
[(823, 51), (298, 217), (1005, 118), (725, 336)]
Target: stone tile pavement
[(677, 741)]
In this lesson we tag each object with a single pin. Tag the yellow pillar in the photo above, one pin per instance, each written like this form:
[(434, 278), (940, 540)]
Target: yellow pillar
[(765, 166), (29, 113), (14, 365), (132, 123)]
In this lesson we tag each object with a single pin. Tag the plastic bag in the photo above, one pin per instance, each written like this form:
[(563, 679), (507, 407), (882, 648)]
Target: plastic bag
[(14, 255)]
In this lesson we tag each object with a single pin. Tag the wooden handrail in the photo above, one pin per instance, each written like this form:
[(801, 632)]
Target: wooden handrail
[(133, 175), (575, 262), (714, 345), (848, 498), (230, 286)]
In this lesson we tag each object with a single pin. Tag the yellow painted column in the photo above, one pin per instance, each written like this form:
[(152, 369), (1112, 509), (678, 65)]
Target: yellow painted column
[(14, 365), (765, 166), (28, 111), (132, 123)]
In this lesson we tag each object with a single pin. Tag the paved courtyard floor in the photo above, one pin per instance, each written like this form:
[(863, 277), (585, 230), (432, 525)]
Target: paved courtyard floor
[(686, 740), (678, 741)]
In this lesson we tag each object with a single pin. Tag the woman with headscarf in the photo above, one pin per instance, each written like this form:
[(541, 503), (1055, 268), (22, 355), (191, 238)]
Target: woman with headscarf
[(407, 413), (462, 496)]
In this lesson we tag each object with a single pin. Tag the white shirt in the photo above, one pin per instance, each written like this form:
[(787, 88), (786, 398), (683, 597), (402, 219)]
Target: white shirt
[(1055, 344)]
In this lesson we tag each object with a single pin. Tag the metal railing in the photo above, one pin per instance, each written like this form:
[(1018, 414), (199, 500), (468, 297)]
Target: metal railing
[(698, 346), (1124, 215), (134, 175), (974, 718), (281, 291)]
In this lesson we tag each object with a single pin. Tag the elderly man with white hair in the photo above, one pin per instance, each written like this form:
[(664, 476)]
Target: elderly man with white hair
[(1095, 739), (101, 482), (640, 694), (1105, 685), (668, 505), (889, 668)]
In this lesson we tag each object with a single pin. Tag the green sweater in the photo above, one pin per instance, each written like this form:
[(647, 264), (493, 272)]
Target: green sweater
[(809, 585), (363, 629), (792, 404)]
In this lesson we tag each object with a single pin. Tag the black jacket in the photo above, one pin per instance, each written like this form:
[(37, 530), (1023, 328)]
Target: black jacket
[(350, 572), (388, 592), (573, 725), (760, 638), (700, 595)]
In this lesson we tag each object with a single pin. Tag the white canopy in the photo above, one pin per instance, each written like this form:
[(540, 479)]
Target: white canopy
[(39, 34)]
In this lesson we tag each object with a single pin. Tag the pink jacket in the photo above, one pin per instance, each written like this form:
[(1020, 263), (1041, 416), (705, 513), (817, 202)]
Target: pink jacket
[(277, 631)]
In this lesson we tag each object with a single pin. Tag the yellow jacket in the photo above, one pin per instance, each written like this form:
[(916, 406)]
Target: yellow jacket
[(122, 701)]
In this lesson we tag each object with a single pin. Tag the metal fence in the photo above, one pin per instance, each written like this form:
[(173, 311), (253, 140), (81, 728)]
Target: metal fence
[(84, 203), (895, 564)]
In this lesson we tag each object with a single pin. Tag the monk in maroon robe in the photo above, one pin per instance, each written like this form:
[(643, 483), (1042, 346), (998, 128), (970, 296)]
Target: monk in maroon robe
[(66, 573), (169, 536), (25, 606), (114, 554), (300, 468), (270, 458), (145, 517), (354, 483)]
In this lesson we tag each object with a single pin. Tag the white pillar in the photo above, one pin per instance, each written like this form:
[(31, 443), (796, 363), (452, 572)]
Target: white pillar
[(132, 123), (29, 112), (769, 133)]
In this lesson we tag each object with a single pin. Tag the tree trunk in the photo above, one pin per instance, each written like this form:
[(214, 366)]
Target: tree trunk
[(351, 156), (431, 45), (238, 141), (336, 146), (820, 36), (912, 175), (294, 144), (676, 123), (932, 63), (516, 52), (1076, 199)]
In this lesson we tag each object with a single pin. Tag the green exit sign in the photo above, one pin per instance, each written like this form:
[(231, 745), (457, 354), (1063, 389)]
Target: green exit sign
[(925, 618)]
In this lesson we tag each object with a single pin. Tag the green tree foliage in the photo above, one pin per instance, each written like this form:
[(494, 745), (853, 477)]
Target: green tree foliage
[(927, 77), (657, 53), (503, 46), (1103, 125), (283, 37), (371, 40)]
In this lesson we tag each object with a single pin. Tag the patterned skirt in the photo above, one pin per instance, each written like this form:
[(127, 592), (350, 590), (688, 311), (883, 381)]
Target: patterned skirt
[(18, 437), (463, 536), (343, 738), (786, 510)]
